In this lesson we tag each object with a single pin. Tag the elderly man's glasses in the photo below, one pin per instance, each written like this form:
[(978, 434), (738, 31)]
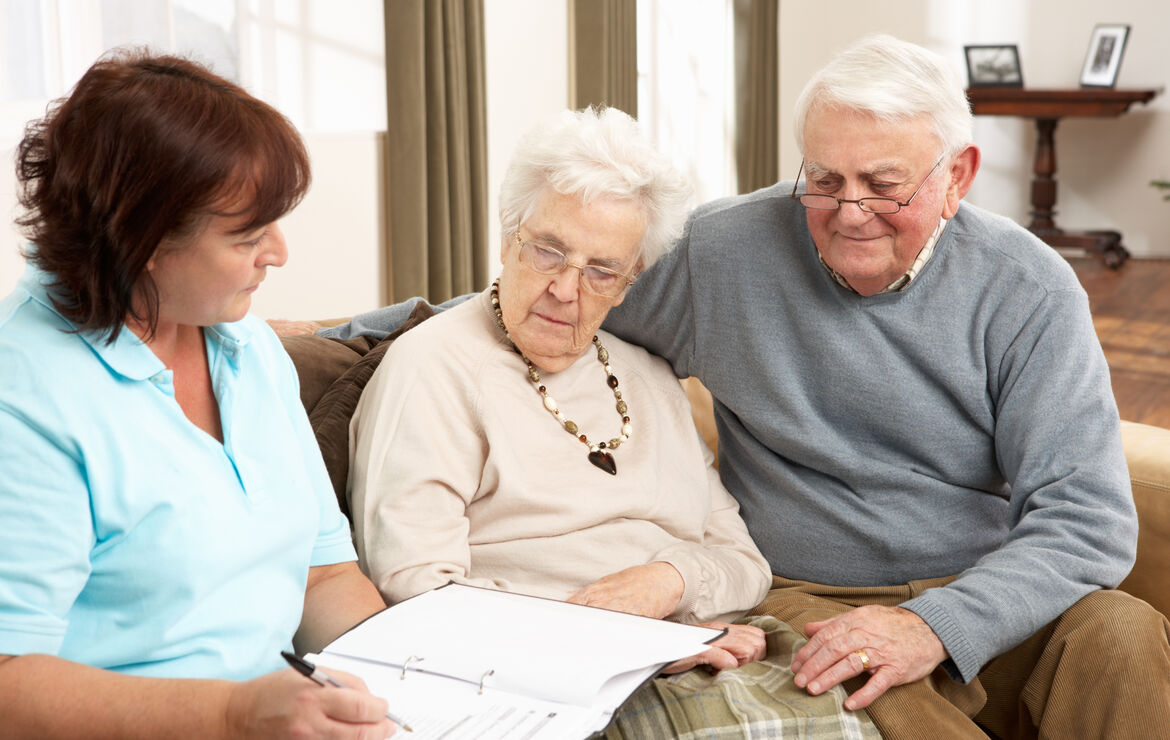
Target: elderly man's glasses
[(548, 260), (884, 206)]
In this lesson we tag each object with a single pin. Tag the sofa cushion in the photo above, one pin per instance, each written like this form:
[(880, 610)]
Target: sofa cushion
[(320, 361), (1147, 449), (333, 373), (703, 413)]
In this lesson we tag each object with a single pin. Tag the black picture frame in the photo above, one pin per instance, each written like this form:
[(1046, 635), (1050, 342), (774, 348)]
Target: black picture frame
[(1103, 59), (993, 65)]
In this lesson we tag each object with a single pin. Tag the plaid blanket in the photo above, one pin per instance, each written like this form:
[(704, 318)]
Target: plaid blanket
[(757, 700)]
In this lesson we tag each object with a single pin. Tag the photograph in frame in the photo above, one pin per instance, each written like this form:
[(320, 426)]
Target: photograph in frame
[(993, 65), (1103, 59)]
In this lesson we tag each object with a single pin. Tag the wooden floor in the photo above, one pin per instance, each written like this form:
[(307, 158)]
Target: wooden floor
[(1131, 310)]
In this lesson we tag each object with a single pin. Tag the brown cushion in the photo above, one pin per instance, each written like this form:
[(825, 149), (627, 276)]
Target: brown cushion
[(320, 361), (345, 366)]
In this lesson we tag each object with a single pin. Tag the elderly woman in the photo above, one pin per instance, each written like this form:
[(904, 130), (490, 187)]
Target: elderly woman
[(510, 443), (169, 527)]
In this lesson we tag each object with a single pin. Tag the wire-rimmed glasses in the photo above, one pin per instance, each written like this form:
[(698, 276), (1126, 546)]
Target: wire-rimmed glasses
[(548, 260), (870, 204)]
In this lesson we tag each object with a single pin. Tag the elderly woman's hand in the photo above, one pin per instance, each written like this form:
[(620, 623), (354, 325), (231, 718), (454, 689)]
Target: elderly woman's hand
[(742, 644), (650, 590)]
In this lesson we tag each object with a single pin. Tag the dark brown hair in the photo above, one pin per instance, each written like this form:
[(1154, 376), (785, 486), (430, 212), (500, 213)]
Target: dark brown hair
[(142, 150)]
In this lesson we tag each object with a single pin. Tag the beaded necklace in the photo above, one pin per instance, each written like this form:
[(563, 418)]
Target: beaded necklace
[(599, 453)]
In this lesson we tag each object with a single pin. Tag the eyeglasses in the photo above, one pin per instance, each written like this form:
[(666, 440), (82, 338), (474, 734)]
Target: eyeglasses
[(884, 206), (548, 260)]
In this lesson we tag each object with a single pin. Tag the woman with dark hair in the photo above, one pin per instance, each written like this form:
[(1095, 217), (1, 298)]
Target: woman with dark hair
[(169, 527)]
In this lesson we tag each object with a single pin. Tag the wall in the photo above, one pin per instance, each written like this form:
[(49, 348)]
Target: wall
[(527, 44), (11, 264), (334, 268), (1103, 165), (335, 265)]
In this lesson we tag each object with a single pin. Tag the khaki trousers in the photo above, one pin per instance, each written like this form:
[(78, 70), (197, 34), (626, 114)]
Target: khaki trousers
[(1100, 670)]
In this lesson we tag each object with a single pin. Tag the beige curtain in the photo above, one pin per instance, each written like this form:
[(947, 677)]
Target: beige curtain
[(756, 93), (603, 54), (436, 150)]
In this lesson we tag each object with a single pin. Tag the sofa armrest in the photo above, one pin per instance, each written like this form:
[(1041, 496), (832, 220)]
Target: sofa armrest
[(1147, 450)]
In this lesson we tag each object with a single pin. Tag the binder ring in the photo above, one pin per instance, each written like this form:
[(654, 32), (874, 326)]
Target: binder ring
[(484, 678), (406, 664)]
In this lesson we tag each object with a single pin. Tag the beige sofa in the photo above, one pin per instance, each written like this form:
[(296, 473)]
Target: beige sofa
[(333, 373), (1147, 448)]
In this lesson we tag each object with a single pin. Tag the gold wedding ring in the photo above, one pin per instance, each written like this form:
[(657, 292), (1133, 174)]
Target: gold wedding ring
[(864, 659)]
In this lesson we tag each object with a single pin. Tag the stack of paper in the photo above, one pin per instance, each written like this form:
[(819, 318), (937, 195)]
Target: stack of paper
[(467, 662)]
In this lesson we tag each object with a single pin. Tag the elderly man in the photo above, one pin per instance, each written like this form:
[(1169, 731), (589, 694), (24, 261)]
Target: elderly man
[(916, 418), (909, 390)]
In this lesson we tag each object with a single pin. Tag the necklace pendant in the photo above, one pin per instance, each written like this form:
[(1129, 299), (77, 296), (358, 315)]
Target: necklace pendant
[(603, 460), (599, 456)]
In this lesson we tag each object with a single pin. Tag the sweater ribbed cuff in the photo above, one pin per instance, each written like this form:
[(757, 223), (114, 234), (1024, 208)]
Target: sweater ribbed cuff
[(964, 663), (688, 605)]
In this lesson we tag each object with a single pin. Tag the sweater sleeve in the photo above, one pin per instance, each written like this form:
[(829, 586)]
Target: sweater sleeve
[(725, 572), (418, 456), (1073, 525)]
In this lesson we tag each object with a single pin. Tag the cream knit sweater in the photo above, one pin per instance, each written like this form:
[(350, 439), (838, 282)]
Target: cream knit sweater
[(459, 473)]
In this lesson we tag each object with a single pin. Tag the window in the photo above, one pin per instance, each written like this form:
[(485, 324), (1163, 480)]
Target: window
[(686, 87), (320, 62)]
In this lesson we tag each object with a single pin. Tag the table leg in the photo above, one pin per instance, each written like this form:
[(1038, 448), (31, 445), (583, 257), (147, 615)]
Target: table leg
[(1103, 243), (1106, 244), (1043, 182)]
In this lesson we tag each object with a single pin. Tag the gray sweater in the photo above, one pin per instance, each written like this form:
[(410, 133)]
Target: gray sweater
[(963, 426)]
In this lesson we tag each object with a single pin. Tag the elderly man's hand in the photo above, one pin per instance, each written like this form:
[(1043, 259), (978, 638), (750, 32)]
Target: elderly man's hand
[(899, 645), (742, 644), (651, 590)]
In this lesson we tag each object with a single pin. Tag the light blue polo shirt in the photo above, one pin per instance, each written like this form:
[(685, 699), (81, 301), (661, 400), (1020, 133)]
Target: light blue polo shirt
[(129, 538)]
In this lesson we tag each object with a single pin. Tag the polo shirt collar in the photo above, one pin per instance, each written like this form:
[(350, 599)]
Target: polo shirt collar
[(232, 338), (128, 355)]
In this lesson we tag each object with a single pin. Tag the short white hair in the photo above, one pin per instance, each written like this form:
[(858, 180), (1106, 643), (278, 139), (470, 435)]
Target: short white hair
[(596, 154), (892, 80)]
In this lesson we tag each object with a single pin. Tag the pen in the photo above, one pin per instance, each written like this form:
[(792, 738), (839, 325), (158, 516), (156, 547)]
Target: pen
[(323, 679)]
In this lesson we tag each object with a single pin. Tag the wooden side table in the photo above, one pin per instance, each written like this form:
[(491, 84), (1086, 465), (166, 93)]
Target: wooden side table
[(1047, 107)]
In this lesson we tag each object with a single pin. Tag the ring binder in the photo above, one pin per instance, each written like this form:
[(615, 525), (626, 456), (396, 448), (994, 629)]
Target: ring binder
[(406, 664), (570, 688), (483, 678)]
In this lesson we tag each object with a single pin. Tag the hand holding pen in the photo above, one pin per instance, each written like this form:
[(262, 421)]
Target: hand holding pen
[(323, 679)]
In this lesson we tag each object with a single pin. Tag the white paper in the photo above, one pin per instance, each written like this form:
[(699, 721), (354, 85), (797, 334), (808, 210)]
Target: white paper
[(538, 647), (436, 707), (548, 669)]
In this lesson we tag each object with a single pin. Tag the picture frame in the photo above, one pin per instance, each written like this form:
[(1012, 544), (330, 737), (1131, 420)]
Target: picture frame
[(993, 65), (1103, 59)]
